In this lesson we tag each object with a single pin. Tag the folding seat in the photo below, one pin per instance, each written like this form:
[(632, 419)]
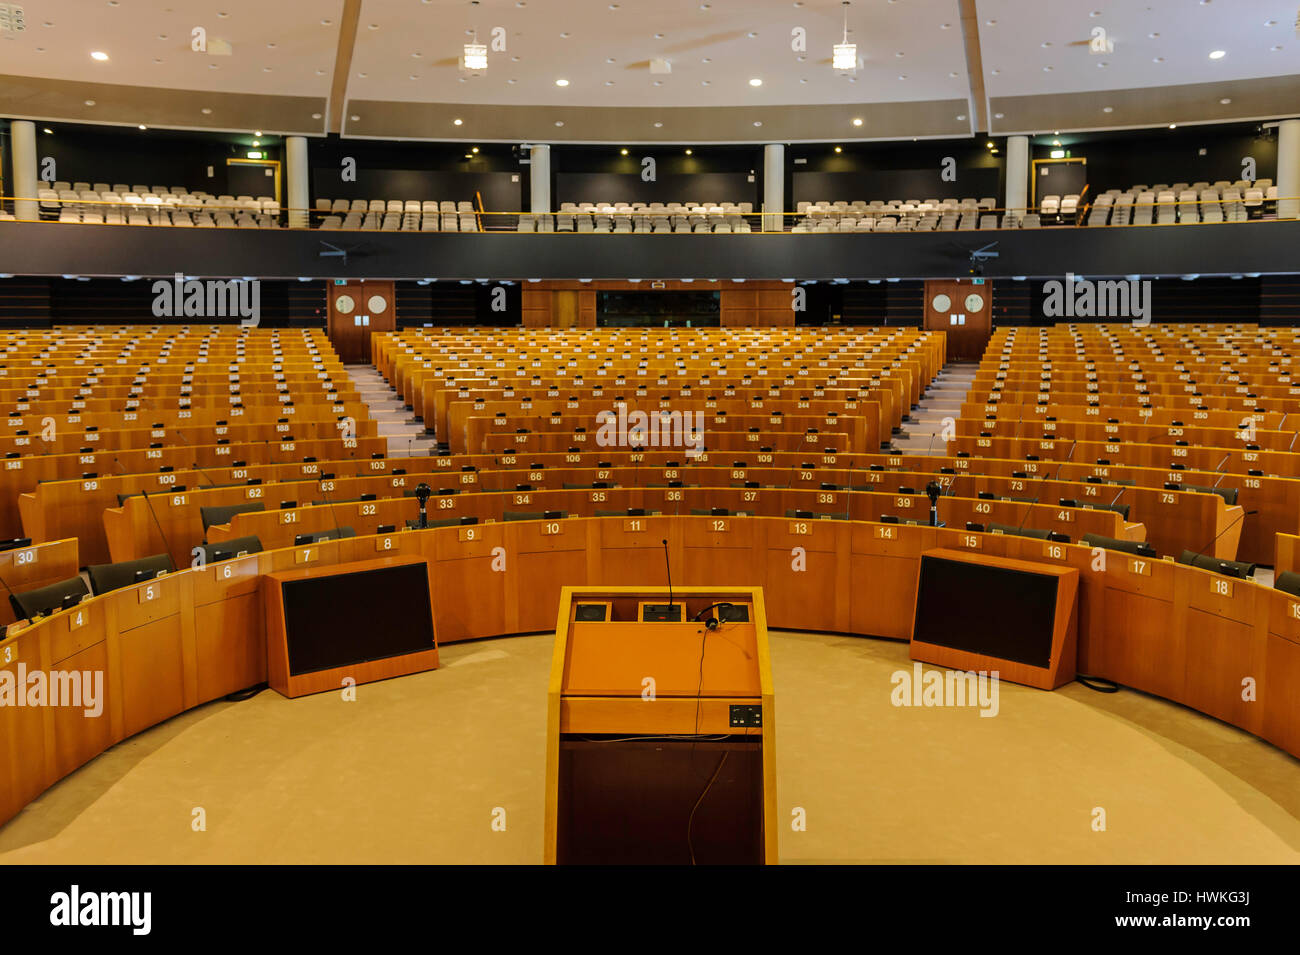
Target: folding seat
[(622, 224), (1069, 206), (182, 219), (393, 205), (703, 227), (1270, 199), (1188, 206), (464, 206), (359, 205), (886, 224), (411, 223), (948, 222), (1032, 220), (101, 187), (988, 222), (137, 218), (392, 222), (1263, 184), (468, 222), (742, 226), (526, 224), (377, 205), (60, 186), (969, 220), (641, 224), (270, 207), (430, 223), (1144, 208), (323, 205), (48, 200), (545, 223), (179, 191), (722, 227), (584, 224), (246, 222), (990, 203), (446, 205), (371, 222), (1050, 206), (1212, 213), (1254, 199), (449, 222)]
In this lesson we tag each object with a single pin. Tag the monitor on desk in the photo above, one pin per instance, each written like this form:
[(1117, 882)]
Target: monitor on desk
[(343, 619)]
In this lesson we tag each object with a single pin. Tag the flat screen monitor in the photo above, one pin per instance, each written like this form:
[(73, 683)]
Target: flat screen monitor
[(343, 619), (994, 611)]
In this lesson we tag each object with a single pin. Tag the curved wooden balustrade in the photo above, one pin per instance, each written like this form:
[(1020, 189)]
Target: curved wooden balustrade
[(1228, 648)]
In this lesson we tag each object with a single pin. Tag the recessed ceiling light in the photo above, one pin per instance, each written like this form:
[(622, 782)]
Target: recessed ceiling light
[(659, 36), (1173, 125), (49, 131), (658, 82), (705, 82), (756, 82), (355, 118), (1157, 59), (857, 122), (945, 26), (609, 82), (374, 26), (961, 118), (622, 152), (751, 34), (559, 122), (326, 23), (1108, 109), (610, 59), (1225, 101), (707, 59), (1217, 54), (564, 36), (457, 122), (270, 46), (998, 115), (206, 111), (561, 82), (839, 149), (315, 115), (1047, 69), (363, 75), (99, 55), (688, 152), (758, 122), (142, 126), (90, 102), (996, 72), (658, 125), (952, 75), (1047, 43), (474, 150)]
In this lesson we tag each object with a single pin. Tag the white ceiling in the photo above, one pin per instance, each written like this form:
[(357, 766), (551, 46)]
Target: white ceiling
[(412, 55), (406, 51), (1027, 50)]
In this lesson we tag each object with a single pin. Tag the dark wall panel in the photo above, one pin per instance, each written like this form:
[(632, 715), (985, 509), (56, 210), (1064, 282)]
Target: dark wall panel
[(54, 249)]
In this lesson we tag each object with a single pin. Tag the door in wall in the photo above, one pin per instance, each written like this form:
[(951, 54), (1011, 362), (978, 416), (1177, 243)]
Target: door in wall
[(964, 310), (358, 309)]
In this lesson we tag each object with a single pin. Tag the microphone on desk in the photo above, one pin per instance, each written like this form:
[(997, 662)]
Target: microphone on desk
[(422, 492), (669, 568), (1043, 487), (932, 491), (1233, 568), (152, 513)]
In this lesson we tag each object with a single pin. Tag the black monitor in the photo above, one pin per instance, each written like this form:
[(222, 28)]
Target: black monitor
[(992, 611), (343, 619)]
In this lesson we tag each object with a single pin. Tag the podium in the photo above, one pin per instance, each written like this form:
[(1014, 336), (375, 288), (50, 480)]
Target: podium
[(660, 737)]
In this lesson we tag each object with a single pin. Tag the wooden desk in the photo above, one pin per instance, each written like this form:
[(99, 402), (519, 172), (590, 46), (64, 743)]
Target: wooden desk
[(618, 683)]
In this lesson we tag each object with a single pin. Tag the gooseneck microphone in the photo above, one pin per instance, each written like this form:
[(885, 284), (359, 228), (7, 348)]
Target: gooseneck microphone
[(669, 568), (422, 492)]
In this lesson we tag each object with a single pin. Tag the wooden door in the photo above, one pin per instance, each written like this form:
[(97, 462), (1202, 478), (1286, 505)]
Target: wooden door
[(964, 310), (358, 308)]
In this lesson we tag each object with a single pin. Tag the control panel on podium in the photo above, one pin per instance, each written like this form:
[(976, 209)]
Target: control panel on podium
[(660, 742)]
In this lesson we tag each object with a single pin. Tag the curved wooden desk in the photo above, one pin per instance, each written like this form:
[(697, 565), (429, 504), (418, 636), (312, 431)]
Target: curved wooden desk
[(1230, 649)]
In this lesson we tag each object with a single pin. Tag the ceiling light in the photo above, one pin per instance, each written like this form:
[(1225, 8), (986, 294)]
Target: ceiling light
[(1173, 125), (142, 126), (90, 102), (688, 152), (756, 82), (989, 144), (457, 122), (1108, 109), (561, 82), (475, 57), (857, 122), (839, 149), (99, 55), (1225, 101), (659, 125), (1217, 54), (622, 152), (844, 55), (559, 122), (758, 122), (48, 130), (256, 142)]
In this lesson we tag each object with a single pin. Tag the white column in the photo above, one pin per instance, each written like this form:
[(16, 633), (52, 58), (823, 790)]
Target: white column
[(295, 154), (1017, 174), (773, 186), (1288, 169), (539, 179), (23, 144)]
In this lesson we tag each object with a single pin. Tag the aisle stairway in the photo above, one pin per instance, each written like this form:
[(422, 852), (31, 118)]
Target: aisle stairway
[(922, 431), (405, 434)]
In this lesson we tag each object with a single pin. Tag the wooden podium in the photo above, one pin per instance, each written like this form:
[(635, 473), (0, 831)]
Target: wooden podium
[(660, 742)]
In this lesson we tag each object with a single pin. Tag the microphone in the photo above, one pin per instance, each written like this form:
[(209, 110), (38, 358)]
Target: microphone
[(1240, 517), (1042, 487), (669, 568), (932, 491), (1222, 463), (338, 531), (422, 492), (712, 622), (152, 513)]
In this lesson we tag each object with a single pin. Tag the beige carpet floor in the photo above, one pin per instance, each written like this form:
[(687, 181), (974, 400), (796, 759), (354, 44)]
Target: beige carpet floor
[(417, 769)]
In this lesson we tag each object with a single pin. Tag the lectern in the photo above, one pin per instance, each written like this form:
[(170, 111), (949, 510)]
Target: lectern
[(660, 737)]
